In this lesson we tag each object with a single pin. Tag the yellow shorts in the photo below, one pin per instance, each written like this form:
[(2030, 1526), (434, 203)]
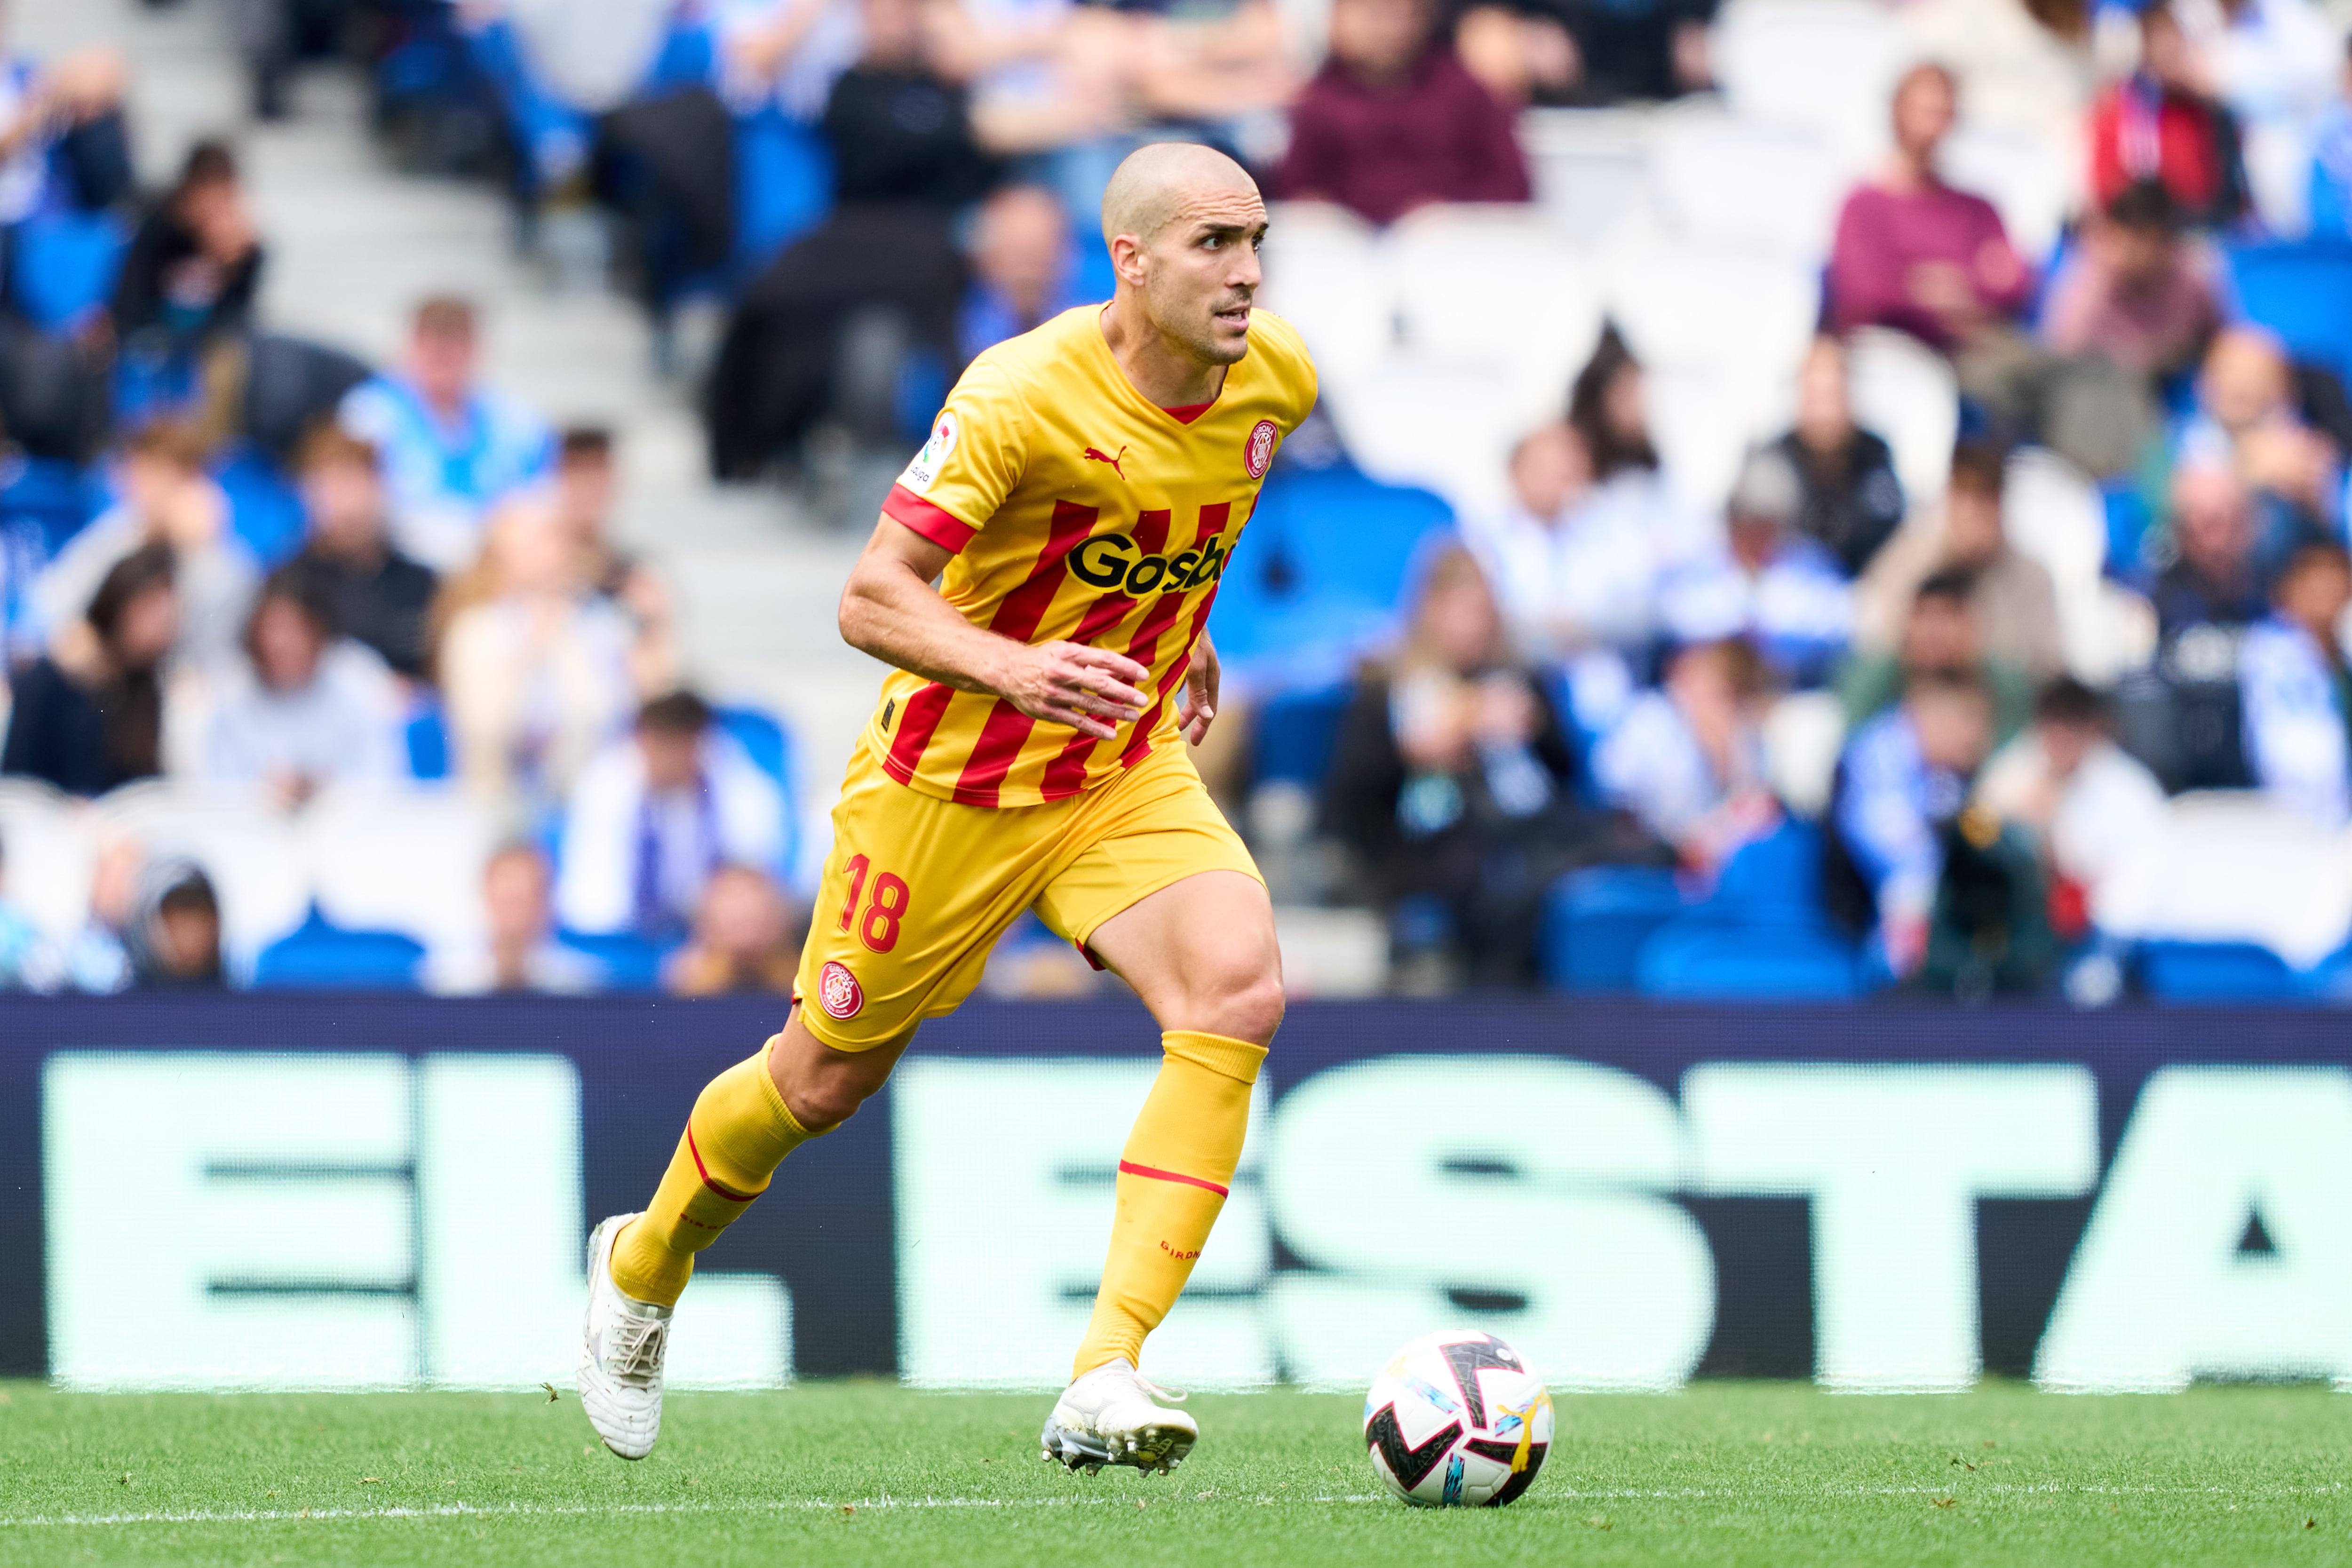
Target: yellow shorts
[(918, 890)]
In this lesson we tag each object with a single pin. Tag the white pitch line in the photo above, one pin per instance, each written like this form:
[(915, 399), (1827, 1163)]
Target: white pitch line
[(819, 1505)]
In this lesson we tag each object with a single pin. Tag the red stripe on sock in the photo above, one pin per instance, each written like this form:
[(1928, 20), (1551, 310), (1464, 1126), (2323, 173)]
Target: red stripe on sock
[(1130, 1168), (735, 1197)]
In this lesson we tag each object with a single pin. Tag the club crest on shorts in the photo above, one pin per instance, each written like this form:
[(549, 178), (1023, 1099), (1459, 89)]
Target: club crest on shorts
[(837, 991), (1258, 456)]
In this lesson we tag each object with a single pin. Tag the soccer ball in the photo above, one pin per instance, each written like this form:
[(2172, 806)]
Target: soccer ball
[(1457, 1420)]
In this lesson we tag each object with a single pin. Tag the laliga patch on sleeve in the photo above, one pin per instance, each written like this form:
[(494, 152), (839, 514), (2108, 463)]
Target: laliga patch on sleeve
[(925, 468)]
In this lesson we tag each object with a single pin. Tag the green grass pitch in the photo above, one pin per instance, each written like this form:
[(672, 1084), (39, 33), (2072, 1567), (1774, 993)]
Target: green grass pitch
[(850, 1473)]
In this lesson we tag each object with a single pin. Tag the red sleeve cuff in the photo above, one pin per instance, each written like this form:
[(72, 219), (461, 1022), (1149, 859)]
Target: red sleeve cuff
[(936, 523)]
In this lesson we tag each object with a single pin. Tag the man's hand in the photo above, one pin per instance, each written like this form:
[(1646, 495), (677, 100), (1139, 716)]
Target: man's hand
[(1091, 690), (1198, 706)]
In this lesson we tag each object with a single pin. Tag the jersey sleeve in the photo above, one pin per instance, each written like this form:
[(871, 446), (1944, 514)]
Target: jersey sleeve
[(978, 448)]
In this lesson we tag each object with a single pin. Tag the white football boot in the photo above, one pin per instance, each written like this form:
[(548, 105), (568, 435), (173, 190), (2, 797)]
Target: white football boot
[(1108, 1417), (622, 1342)]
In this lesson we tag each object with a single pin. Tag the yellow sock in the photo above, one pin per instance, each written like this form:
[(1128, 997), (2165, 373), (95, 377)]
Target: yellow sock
[(1172, 1178), (737, 1133)]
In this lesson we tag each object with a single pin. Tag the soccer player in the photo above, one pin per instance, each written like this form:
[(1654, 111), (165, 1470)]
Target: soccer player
[(1077, 503)]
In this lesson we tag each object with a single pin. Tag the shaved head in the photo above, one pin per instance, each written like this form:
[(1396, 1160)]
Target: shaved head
[(1156, 183)]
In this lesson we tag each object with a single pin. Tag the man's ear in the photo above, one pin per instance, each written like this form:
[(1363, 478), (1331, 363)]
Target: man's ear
[(1127, 259)]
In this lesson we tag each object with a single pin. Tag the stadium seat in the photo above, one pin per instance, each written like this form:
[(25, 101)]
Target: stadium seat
[(1495, 287), (317, 956), (46, 859), (1719, 180), (1293, 734), (2303, 291), (1775, 879), (631, 963), (1704, 422), (2022, 175), (1703, 958), (55, 497), (62, 266), (407, 860), (264, 508), (1442, 426), (1596, 919), (1590, 166), (1802, 736), (784, 186), (1826, 66), (426, 736), (1905, 391), (768, 744), (2058, 517), (1728, 309), (1327, 276), (248, 850), (2220, 971), (2233, 866)]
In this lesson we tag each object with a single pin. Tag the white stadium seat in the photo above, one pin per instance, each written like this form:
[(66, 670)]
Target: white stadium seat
[(1495, 287), (48, 857), (407, 860), (1449, 427), (1732, 312), (1802, 736), (1729, 181), (1904, 391), (2022, 175), (1829, 66), (2236, 867), (1590, 167), (247, 846), (1703, 421), (1326, 274), (2054, 515)]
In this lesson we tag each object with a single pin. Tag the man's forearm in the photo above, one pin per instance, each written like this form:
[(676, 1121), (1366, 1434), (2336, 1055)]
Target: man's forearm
[(901, 620)]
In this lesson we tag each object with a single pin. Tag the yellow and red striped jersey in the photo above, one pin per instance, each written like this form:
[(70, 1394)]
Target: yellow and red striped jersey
[(1078, 511)]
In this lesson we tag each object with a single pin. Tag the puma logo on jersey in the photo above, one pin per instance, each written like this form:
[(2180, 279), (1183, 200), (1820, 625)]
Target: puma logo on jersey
[(1094, 455)]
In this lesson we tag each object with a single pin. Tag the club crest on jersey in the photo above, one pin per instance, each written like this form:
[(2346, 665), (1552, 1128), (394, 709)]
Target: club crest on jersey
[(1258, 456), (925, 468), (1115, 560), (837, 991)]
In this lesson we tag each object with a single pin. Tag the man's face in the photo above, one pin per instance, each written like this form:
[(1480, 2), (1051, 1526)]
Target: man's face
[(1954, 727), (672, 761), (1922, 114), (443, 365), (1940, 635), (187, 939), (2210, 520), (1550, 470), (1021, 237), (1972, 525), (2136, 256), (345, 502), (2066, 744), (2316, 592), (583, 491), (515, 891), (1379, 38), (1824, 418), (1200, 272)]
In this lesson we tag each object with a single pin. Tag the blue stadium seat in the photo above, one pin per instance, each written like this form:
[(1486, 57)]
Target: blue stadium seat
[(1596, 921), (2220, 971), (784, 186), (264, 507), (1294, 733), (1774, 880), (316, 956), (50, 496), (427, 734), (769, 746), (1703, 958), (2303, 291), (631, 963), (62, 266)]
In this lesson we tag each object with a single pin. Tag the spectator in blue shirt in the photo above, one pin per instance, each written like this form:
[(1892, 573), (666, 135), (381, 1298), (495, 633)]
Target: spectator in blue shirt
[(1688, 759), (451, 448), (2296, 691), (1765, 582), (1904, 774), (1024, 271)]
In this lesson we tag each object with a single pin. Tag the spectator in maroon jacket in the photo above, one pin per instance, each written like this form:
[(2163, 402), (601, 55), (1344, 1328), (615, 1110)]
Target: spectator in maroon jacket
[(1393, 121), (1913, 253), (2163, 123)]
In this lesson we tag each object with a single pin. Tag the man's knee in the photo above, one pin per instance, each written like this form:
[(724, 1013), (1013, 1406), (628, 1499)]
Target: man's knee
[(1238, 993), (825, 1102)]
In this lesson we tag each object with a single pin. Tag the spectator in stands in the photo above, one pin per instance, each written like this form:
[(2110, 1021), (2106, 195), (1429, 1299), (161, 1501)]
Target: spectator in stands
[(89, 716), (1524, 56), (195, 264), (1023, 270), (1557, 592), (2010, 596), (1851, 501), (28, 960), (2272, 61), (2135, 290), (2211, 581), (2330, 197), (519, 952), (1454, 784), (2090, 805), (585, 482), (1915, 254), (1765, 581), (1584, 55), (97, 958), (2292, 681), (654, 816), (61, 126), (312, 708), (175, 937), (2247, 419), (168, 500), (1632, 517), (1941, 635), (785, 54), (1904, 774), (535, 675), (2161, 123), (380, 598), (884, 265), (1687, 759), (743, 939), (1392, 120), (451, 448)]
